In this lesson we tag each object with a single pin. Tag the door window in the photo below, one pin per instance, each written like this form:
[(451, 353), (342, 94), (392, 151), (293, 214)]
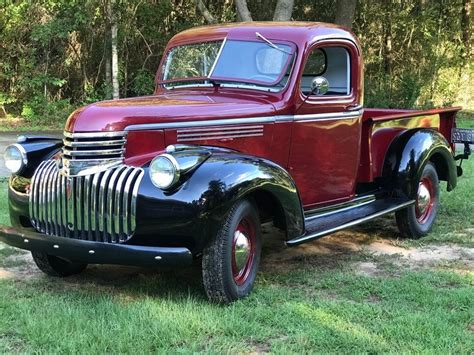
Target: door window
[(331, 63)]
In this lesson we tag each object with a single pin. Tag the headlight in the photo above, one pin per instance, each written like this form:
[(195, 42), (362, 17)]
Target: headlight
[(15, 158), (164, 171)]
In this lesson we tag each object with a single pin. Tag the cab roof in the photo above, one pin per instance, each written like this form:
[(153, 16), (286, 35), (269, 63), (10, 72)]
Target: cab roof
[(300, 33)]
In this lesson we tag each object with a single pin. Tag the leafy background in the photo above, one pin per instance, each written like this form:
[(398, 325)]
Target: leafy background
[(55, 55)]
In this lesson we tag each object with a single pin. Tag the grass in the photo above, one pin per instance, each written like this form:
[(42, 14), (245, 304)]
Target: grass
[(309, 303)]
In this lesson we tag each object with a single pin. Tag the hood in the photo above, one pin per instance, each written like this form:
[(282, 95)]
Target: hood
[(116, 115)]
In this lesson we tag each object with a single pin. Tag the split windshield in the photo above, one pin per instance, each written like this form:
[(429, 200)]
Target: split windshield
[(228, 63)]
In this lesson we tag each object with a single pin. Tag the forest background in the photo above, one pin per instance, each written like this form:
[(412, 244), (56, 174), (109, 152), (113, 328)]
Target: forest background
[(58, 55)]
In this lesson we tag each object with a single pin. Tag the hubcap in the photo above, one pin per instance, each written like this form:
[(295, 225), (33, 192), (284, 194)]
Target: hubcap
[(243, 250), (424, 200)]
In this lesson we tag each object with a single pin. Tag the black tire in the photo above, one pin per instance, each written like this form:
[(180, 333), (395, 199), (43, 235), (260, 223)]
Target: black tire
[(223, 281), (411, 222), (54, 266)]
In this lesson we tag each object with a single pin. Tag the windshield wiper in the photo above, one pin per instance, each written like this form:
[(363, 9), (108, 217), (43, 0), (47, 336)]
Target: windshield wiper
[(271, 44)]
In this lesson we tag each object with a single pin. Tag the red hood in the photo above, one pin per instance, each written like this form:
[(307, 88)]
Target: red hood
[(170, 107)]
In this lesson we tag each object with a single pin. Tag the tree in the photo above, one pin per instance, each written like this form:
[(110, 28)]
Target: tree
[(205, 12), (345, 11), (283, 11), (113, 32)]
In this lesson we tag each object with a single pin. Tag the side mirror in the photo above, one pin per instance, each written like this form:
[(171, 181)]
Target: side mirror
[(319, 86)]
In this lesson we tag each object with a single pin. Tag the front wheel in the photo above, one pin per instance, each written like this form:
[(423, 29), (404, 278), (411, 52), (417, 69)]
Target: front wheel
[(54, 266), (417, 220), (230, 262)]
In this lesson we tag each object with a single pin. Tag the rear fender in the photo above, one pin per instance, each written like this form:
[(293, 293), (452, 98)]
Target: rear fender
[(410, 152)]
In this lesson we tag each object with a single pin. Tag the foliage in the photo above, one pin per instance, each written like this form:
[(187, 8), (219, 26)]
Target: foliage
[(57, 52)]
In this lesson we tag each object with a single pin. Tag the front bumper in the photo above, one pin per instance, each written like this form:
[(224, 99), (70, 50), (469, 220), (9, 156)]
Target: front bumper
[(95, 252)]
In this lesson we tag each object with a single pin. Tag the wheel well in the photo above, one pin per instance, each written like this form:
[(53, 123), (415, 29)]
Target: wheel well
[(269, 208), (441, 166)]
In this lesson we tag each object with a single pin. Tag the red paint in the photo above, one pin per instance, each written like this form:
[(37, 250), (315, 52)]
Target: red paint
[(327, 158)]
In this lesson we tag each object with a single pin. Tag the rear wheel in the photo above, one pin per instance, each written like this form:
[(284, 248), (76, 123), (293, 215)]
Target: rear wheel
[(417, 220), (55, 266), (230, 262)]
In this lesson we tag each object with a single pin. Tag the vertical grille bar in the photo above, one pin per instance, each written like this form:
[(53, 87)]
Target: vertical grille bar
[(87, 208), (94, 205), (79, 206)]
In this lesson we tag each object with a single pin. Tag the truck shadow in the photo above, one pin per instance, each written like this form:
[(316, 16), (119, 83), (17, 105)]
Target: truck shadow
[(333, 251)]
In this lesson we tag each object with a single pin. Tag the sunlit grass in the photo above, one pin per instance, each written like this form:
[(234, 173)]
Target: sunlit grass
[(304, 306)]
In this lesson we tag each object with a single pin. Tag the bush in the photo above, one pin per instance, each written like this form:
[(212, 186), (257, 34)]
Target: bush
[(40, 111)]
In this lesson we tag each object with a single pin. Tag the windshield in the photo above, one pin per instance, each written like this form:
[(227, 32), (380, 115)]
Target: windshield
[(228, 62)]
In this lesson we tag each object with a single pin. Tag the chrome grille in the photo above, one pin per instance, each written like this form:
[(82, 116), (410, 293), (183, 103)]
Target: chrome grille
[(99, 207), (87, 153)]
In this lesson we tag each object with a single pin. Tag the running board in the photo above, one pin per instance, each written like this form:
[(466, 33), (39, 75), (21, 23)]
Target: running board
[(320, 226)]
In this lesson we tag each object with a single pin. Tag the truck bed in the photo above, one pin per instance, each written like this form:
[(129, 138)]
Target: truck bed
[(381, 126)]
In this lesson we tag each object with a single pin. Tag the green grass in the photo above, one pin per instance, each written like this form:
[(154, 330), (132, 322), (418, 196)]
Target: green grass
[(325, 311), (309, 303)]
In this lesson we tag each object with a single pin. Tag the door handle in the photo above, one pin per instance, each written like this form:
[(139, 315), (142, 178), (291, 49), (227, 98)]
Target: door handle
[(353, 107)]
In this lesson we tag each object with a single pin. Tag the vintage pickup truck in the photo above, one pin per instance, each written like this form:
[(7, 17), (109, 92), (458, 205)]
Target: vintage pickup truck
[(249, 123)]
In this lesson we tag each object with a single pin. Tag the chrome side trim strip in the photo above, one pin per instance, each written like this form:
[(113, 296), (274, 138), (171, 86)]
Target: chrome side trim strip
[(340, 207), (251, 120)]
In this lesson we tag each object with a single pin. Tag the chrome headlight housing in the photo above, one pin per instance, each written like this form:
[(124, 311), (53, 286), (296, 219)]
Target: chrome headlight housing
[(164, 171), (15, 158)]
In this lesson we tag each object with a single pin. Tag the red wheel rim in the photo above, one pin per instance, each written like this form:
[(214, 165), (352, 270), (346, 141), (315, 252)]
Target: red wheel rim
[(425, 200), (243, 251)]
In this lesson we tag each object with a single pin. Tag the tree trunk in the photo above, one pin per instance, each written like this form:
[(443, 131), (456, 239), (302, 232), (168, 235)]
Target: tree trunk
[(345, 11), (283, 10), (466, 28), (113, 30), (3, 113), (108, 77), (205, 12), (243, 13)]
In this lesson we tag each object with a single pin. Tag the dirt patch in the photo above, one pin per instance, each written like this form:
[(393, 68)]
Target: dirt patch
[(341, 247), (362, 252)]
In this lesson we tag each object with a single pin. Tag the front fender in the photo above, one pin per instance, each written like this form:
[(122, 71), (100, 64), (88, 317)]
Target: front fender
[(196, 208), (410, 152), (38, 149)]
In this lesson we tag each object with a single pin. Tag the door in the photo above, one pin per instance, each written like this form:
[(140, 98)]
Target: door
[(326, 132)]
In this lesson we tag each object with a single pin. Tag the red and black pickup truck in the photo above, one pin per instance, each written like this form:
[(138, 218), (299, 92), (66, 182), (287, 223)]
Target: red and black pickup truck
[(249, 123)]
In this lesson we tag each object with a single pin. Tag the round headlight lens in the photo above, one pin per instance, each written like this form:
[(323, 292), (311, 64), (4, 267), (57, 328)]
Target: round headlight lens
[(164, 171), (15, 158)]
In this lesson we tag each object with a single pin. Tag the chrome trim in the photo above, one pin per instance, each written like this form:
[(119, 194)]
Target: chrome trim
[(340, 207), (99, 207), (94, 143), (177, 170), (94, 134), (252, 120), (217, 58), (89, 153), (74, 153), (201, 138), (24, 157)]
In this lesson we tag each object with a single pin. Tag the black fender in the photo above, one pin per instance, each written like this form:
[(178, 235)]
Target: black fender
[(410, 152), (193, 212), (38, 149)]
